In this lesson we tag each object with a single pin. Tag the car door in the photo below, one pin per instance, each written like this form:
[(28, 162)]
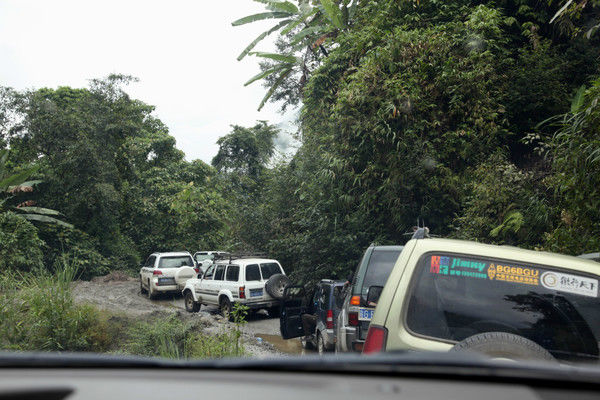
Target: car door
[(292, 308), (214, 285), (147, 269), (205, 287)]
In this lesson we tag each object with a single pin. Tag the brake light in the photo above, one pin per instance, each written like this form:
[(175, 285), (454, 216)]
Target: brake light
[(355, 301), (197, 269), (157, 272), (329, 320), (242, 292), (376, 340), (353, 318)]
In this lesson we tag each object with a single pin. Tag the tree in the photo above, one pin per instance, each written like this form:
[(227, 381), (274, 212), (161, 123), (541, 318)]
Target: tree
[(304, 30)]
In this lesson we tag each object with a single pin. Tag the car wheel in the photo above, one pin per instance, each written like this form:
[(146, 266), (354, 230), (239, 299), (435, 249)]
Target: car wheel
[(151, 294), (306, 344), (276, 285), (503, 345), (225, 308), (190, 304), (142, 289), (320, 344)]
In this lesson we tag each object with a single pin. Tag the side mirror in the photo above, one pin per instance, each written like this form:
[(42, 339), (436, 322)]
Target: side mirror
[(199, 276), (373, 295)]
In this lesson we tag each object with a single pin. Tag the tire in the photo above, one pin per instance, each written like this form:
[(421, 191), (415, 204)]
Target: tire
[(306, 345), (225, 308), (503, 345), (274, 312), (150, 292), (276, 285), (190, 304), (142, 290), (321, 344)]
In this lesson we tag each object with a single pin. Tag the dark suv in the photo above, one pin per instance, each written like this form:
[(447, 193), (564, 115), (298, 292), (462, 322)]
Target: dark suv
[(352, 323), (324, 303)]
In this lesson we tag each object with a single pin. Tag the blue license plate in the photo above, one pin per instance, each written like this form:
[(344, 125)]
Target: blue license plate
[(365, 314), (256, 292), (166, 281)]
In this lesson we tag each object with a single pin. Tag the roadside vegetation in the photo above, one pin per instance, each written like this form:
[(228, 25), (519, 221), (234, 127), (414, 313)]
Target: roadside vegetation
[(37, 313), (478, 117)]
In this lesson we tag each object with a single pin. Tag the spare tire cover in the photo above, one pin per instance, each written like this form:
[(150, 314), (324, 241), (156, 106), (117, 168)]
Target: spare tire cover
[(183, 274), (276, 285), (503, 345)]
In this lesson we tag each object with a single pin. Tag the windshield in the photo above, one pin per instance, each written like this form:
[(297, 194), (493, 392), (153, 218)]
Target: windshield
[(175, 262), (304, 143), (202, 257)]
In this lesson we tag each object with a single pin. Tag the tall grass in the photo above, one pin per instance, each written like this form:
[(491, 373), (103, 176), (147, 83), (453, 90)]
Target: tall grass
[(169, 337), (37, 312)]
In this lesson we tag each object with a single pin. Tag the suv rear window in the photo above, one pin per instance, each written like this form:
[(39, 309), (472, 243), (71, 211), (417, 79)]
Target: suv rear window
[(269, 269), (377, 271), (454, 297), (252, 273), (175, 262)]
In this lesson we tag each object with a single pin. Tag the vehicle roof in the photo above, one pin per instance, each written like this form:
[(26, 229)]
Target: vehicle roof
[(508, 253), (245, 261), (210, 252), (388, 248), (172, 253)]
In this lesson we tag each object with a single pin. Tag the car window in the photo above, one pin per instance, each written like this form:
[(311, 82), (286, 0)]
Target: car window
[(201, 257), (377, 271), (269, 269), (233, 273), (219, 272), (454, 297), (338, 296), (150, 261), (209, 273), (252, 273), (324, 297), (175, 262)]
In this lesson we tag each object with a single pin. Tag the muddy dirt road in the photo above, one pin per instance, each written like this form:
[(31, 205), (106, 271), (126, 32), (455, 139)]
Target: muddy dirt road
[(121, 294)]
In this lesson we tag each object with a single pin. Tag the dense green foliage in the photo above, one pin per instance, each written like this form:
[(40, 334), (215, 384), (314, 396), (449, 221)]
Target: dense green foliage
[(465, 114)]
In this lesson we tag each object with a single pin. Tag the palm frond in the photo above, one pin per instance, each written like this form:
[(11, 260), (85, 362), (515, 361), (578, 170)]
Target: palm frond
[(261, 37), (261, 16)]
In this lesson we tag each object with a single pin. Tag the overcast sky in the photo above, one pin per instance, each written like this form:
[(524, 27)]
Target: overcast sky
[(183, 52)]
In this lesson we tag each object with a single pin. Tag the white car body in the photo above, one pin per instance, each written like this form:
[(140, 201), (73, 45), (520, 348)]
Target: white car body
[(219, 282), (158, 275)]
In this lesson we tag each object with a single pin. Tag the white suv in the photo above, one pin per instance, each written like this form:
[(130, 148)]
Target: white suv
[(166, 272), (254, 282)]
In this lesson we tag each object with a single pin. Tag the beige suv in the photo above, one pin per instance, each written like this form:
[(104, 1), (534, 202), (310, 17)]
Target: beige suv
[(501, 301)]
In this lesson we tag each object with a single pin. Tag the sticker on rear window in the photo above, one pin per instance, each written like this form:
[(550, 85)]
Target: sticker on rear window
[(455, 266), (570, 283), (508, 273)]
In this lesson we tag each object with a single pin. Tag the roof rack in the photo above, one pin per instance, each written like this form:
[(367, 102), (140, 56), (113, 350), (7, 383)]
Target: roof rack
[(233, 256)]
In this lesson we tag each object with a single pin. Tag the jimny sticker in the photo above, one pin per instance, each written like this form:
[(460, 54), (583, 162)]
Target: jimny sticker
[(581, 285)]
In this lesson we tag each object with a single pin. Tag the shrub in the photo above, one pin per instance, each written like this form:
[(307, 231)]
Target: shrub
[(20, 246)]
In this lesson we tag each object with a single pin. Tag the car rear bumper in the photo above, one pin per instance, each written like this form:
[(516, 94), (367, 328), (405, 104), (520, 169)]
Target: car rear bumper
[(256, 305), (350, 340)]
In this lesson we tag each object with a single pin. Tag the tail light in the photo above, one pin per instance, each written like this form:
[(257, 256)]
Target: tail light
[(355, 301), (157, 272), (376, 340), (242, 292), (329, 320), (353, 318), (197, 269)]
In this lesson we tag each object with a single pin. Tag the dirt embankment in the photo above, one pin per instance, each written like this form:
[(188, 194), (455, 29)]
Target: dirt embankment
[(120, 294)]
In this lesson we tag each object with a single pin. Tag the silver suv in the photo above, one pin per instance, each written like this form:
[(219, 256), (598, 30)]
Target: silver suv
[(353, 320)]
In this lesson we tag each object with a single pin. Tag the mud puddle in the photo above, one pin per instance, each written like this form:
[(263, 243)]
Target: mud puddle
[(290, 346)]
